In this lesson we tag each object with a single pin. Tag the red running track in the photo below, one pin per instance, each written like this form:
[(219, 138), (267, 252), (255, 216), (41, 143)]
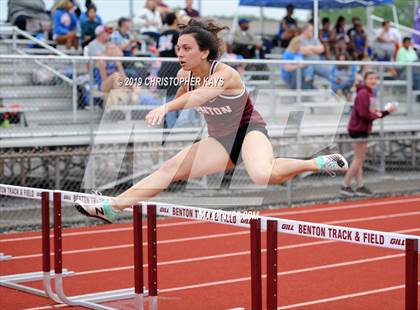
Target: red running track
[(207, 266)]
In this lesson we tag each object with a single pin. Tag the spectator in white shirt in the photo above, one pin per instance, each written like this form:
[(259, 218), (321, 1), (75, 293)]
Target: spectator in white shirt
[(150, 20), (387, 39)]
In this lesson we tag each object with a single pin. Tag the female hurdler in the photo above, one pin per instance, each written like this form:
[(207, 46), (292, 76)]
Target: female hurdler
[(236, 130)]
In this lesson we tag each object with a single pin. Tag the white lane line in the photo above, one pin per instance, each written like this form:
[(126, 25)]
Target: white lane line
[(298, 305), (342, 297), (218, 256), (326, 209), (169, 241), (283, 273)]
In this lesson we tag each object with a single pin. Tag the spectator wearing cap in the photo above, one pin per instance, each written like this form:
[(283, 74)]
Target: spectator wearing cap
[(288, 27), (88, 27), (150, 20), (244, 42), (123, 37), (191, 12), (65, 24), (98, 45)]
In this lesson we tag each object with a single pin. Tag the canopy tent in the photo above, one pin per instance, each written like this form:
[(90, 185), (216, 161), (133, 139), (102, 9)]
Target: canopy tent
[(318, 4)]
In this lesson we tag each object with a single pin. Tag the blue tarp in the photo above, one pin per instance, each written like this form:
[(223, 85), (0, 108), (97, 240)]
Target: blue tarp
[(309, 4)]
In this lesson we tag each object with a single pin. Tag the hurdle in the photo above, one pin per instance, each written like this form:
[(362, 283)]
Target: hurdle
[(274, 226), (257, 224), (16, 281)]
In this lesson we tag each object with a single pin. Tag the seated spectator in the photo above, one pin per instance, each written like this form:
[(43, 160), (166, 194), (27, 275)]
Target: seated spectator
[(359, 44), (325, 37), (289, 71), (228, 55), (65, 24), (343, 78), (88, 27), (29, 15), (288, 28), (109, 74), (244, 42), (123, 38), (311, 49), (405, 54), (150, 20), (355, 21), (191, 12), (338, 36), (387, 39), (85, 15), (98, 45)]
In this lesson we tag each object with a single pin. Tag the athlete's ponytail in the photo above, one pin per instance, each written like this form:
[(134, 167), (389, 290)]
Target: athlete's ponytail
[(205, 33)]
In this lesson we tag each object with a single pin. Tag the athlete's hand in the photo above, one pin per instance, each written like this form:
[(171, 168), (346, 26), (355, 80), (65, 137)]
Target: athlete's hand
[(155, 117)]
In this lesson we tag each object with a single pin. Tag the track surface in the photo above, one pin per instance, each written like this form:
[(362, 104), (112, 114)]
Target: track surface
[(207, 266)]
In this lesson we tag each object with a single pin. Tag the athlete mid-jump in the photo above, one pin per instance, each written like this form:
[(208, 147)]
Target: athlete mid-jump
[(237, 132)]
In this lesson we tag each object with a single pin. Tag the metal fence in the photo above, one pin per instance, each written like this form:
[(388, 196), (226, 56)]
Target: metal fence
[(65, 133)]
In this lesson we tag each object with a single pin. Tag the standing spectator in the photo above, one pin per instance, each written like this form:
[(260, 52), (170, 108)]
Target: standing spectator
[(387, 39), (364, 112), (359, 44), (288, 27), (289, 71), (325, 37), (343, 77), (88, 27), (123, 37), (406, 53), (149, 20), (311, 49), (65, 24), (98, 45), (189, 9), (244, 42), (163, 9), (84, 16), (29, 15), (338, 36), (166, 47)]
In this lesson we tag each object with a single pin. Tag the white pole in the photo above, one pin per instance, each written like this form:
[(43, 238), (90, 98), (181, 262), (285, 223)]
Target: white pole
[(262, 19), (200, 7), (131, 9), (369, 12), (316, 28), (395, 15)]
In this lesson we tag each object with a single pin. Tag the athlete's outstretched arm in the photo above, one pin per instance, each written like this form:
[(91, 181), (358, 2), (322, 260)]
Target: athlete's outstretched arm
[(214, 86)]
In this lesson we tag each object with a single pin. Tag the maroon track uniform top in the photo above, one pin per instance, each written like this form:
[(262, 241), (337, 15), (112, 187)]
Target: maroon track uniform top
[(224, 115)]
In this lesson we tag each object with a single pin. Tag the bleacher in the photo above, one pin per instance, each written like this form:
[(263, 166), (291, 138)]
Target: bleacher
[(52, 118)]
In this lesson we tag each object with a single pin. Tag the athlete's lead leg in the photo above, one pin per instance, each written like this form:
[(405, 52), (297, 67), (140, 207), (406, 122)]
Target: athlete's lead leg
[(205, 157)]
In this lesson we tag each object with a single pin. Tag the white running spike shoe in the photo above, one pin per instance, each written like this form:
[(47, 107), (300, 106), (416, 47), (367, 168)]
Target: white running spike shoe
[(102, 210), (332, 163)]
